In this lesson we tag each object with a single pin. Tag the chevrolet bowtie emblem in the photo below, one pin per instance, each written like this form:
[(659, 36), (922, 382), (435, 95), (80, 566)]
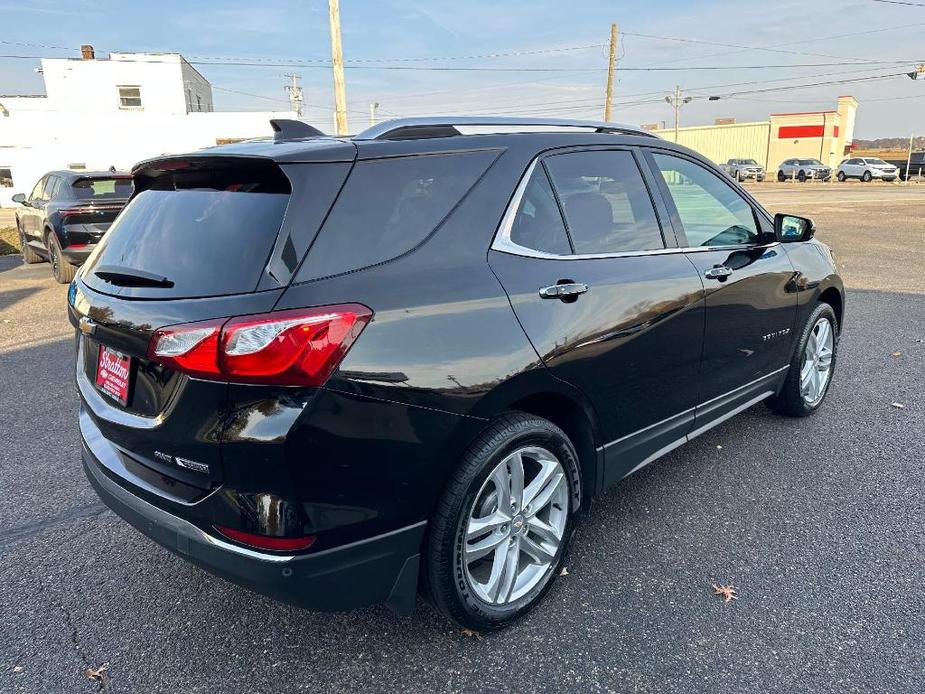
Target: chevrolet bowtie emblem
[(87, 326)]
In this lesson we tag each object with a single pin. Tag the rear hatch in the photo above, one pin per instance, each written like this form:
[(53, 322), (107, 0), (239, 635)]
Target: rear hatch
[(193, 244), (95, 203)]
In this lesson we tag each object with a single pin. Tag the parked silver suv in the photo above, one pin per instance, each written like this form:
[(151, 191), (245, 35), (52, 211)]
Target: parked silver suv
[(742, 169), (801, 169), (867, 169)]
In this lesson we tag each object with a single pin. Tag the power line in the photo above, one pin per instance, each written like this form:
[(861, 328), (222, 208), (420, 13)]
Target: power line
[(638, 68), (424, 59), (814, 39), (538, 106), (897, 2), (735, 45)]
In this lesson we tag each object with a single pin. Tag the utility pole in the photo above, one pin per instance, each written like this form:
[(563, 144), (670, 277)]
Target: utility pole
[(337, 60), (608, 103), (677, 101), (373, 105), (295, 93)]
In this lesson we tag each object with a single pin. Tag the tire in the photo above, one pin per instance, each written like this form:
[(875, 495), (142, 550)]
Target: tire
[(841, 176), (739, 178), (792, 401), (29, 256), (61, 270), (451, 583), (780, 177), (801, 177), (866, 177)]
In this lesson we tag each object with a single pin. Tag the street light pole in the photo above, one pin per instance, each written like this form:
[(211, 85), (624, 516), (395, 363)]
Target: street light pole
[(677, 101)]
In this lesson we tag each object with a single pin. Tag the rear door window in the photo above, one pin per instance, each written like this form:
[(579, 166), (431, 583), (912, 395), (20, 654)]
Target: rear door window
[(605, 201), (209, 232), (51, 187), (390, 206), (538, 225)]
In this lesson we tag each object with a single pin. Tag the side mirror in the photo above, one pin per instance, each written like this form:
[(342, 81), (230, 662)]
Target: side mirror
[(789, 228), (20, 198)]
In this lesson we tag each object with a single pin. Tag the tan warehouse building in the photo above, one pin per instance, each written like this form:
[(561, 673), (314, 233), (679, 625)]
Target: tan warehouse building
[(822, 135)]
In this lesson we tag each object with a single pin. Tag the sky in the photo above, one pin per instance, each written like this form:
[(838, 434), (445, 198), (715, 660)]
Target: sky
[(420, 57)]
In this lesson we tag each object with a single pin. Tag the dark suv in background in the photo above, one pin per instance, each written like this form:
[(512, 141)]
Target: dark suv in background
[(66, 214), (338, 370)]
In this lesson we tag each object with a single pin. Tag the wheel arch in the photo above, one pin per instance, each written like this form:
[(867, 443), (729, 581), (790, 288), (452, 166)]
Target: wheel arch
[(579, 423), (47, 231), (833, 297)]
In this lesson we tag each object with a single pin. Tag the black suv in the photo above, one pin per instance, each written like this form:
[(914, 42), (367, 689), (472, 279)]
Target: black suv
[(66, 214), (334, 370)]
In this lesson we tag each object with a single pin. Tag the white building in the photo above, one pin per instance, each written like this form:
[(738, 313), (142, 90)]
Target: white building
[(113, 112)]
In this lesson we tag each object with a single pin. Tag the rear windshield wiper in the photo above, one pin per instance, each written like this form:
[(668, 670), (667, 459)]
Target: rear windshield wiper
[(131, 277)]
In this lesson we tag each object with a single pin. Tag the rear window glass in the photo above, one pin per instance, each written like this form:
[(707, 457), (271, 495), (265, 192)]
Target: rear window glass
[(388, 207), (208, 232), (101, 188)]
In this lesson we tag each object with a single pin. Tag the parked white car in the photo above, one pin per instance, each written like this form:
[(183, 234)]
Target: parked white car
[(803, 169), (867, 169)]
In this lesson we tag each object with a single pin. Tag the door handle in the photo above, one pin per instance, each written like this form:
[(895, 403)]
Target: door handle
[(718, 272), (568, 290)]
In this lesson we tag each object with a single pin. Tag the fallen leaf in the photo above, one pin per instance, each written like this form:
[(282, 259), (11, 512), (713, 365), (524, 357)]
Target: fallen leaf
[(898, 405), (472, 633), (564, 571), (896, 354), (728, 592), (718, 447), (98, 673)]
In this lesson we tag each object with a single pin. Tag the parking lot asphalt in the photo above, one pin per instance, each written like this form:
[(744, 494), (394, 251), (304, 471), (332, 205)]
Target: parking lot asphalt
[(818, 523)]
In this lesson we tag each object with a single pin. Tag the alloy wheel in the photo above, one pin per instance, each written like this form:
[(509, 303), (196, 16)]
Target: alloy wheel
[(516, 525), (816, 369)]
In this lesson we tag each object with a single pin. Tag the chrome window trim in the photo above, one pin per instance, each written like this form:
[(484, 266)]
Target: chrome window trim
[(503, 243)]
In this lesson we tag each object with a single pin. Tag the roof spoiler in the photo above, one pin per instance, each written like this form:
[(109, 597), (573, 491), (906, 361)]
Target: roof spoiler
[(291, 129)]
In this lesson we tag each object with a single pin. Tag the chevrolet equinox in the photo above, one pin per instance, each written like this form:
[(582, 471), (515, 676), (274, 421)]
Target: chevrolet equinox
[(340, 371)]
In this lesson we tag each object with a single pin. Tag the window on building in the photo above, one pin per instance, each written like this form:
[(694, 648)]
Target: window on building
[(6, 177), (198, 103), (129, 96)]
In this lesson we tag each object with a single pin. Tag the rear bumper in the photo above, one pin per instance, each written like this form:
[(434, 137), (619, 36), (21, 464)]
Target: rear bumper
[(381, 569), (77, 256)]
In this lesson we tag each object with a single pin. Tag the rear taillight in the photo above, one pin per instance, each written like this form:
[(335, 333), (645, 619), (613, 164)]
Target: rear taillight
[(295, 347)]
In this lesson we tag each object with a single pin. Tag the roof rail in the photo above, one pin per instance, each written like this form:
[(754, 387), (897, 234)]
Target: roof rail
[(445, 126), (291, 129)]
